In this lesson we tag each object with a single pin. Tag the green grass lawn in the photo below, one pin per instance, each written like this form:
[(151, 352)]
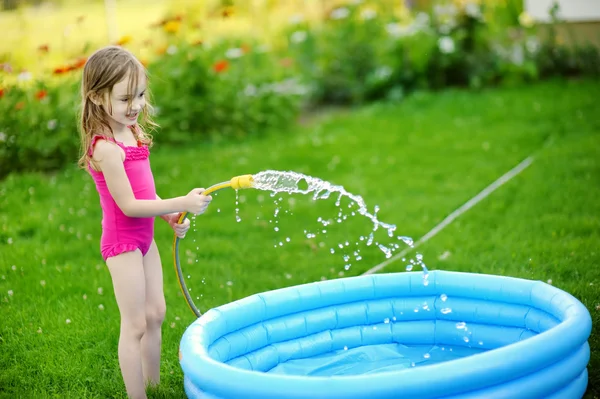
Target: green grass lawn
[(418, 161)]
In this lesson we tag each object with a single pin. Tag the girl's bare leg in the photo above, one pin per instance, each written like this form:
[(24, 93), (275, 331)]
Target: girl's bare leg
[(127, 272), (155, 309)]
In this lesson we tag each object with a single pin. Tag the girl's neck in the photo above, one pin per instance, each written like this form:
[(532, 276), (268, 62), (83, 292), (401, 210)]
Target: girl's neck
[(125, 134)]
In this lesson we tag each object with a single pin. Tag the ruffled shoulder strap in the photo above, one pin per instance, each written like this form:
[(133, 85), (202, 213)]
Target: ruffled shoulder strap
[(97, 137)]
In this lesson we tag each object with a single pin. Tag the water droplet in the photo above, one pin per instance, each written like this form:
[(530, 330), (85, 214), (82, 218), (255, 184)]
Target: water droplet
[(332, 250), (427, 356), (446, 310), (276, 228), (461, 326), (345, 348), (480, 342), (443, 297), (288, 239), (409, 267), (218, 210), (412, 364), (407, 240), (386, 320), (466, 339)]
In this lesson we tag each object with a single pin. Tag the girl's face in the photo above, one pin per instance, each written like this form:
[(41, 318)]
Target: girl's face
[(121, 115)]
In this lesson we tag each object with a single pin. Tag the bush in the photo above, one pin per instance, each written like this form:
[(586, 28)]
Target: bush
[(39, 126), (231, 90)]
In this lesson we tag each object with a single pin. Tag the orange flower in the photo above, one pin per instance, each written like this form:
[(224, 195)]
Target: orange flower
[(1, 93), (144, 62), (60, 70), (221, 66), (161, 50), (80, 63), (40, 95), (245, 48), (43, 48), (19, 105)]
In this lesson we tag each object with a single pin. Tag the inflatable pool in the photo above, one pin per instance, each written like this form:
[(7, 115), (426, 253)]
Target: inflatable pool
[(462, 335)]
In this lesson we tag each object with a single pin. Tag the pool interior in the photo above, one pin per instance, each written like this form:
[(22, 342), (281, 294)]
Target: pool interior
[(372, 359)]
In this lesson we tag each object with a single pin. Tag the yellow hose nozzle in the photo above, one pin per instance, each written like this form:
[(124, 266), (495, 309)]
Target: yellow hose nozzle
[(243, 181)]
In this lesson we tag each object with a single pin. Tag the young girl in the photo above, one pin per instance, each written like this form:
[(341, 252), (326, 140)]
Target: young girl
[(115, 150)]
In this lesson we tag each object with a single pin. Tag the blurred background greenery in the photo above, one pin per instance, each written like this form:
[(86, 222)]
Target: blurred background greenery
[(229, 69)]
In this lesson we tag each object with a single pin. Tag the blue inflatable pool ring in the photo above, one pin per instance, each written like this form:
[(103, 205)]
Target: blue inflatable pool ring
[(463, 335)]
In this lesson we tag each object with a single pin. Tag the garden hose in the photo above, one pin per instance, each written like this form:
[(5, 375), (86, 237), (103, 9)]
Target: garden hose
[(236, 183)]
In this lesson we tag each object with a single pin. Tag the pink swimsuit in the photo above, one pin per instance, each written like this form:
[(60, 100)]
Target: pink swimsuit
[(122, 233)]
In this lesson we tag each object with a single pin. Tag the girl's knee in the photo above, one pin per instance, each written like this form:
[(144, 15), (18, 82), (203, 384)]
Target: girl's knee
[(155, 314), (134, 328)]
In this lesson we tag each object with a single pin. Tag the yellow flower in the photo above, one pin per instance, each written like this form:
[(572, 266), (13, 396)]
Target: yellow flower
[(124, 40), (172, 26), (526, 20)]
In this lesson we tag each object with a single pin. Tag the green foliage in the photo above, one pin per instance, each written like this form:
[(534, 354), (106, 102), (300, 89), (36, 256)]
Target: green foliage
[(199, 94), (38, 130)]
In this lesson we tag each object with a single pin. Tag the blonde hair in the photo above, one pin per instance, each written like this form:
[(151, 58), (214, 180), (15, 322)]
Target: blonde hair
[(104, 69)]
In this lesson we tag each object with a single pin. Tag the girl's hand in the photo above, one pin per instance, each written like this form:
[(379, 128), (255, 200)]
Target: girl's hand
[(196, 202), (179, 228)]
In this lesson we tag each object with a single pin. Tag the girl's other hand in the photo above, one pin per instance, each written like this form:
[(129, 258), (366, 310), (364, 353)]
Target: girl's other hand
[(179, 228)]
